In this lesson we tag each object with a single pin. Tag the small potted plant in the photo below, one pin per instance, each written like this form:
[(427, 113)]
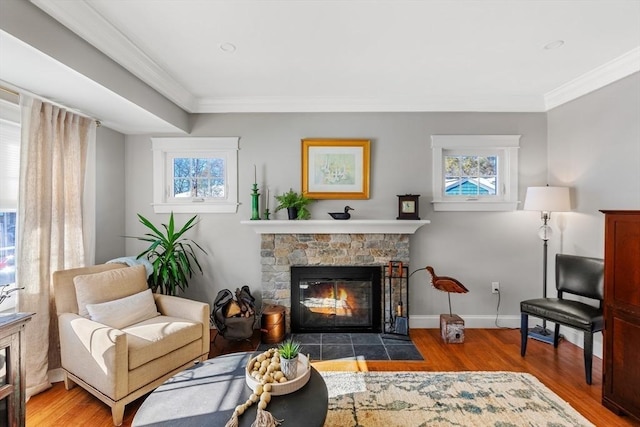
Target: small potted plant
[(288, 352), (296, 204)]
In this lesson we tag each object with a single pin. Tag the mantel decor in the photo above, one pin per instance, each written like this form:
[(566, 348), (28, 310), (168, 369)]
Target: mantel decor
[(408, 206), (295, 204), (255, 209), (335, 168)]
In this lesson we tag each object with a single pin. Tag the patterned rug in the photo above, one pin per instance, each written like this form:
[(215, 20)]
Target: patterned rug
[(412, 399)]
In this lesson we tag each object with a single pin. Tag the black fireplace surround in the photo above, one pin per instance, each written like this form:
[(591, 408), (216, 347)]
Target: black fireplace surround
[(336, 299)]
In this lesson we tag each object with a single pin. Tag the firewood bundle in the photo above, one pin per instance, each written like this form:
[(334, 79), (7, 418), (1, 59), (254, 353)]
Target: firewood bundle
[(245, 301), (242, 306)]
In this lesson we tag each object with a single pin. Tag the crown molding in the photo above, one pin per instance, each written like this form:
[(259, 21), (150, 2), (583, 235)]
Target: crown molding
[(363, 105), (84, 20), (610, 72)]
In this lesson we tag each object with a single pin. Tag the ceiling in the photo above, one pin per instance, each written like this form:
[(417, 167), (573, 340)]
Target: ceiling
[(350, 55)]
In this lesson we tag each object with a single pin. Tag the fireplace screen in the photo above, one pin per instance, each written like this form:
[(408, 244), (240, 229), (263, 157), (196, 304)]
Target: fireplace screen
[(326, 299)]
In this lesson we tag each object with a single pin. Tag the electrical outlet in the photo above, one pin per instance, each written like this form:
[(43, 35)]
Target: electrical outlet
[(495, 287)]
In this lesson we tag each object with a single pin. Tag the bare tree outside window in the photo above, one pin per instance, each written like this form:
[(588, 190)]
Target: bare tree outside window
[(199, 177)]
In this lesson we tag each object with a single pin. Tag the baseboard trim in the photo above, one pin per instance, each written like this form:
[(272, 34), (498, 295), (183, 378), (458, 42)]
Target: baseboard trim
[(56, 375), (473, 321)]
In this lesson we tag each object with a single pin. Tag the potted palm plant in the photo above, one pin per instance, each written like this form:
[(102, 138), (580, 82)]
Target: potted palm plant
[(295, 203), (288, 352), (172, 255)]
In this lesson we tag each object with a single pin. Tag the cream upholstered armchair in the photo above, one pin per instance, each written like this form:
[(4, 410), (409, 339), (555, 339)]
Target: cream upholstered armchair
[(118, 340)]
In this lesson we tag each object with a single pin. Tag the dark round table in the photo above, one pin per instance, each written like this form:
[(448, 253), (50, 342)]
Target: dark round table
[(207, 393)]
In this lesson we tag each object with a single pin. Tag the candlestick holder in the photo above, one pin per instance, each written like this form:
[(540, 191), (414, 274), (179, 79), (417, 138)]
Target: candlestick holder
[(255, 212), (266, 214)]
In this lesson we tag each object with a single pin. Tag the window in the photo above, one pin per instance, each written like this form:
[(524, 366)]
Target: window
[(7, 248), (475, 172), (195, 175), (198, 177), (9, 176), (470, 175)]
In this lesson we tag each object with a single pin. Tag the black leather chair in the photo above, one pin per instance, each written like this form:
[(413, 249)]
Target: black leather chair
[(575, 275)]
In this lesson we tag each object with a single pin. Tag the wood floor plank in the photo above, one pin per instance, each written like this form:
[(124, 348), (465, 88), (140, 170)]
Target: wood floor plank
[(559, 369)]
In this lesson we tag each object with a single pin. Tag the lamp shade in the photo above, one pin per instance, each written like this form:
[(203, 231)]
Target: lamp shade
[(547, 199)]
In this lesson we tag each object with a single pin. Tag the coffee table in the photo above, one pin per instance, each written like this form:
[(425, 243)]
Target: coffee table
[(207, 394)]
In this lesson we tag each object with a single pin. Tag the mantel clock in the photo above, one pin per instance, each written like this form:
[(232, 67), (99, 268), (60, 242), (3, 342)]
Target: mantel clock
[(408, 206)]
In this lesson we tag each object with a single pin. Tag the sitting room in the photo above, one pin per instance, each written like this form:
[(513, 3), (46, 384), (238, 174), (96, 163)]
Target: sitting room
[(433, 207)]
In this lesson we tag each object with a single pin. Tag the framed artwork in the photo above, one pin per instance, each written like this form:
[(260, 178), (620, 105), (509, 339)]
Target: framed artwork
[(335, 168)]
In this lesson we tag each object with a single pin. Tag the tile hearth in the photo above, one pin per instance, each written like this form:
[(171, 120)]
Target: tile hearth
[(356, 346)]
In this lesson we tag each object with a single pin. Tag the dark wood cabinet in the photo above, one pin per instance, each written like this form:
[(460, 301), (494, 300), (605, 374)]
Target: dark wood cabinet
[(12, 369), (621, 358)]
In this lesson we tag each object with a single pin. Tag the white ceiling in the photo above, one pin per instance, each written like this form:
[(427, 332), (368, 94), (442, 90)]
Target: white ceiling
[(350, 55), (24, 67)]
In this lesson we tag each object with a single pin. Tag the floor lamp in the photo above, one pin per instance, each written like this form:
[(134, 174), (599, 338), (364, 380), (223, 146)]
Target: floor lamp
[(545, 200)]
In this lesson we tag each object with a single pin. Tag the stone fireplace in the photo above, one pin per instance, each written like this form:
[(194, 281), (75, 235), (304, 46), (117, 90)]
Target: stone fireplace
[(320, 243)]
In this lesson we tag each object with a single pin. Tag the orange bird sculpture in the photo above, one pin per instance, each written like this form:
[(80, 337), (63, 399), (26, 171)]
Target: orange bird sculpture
[(446, 284)]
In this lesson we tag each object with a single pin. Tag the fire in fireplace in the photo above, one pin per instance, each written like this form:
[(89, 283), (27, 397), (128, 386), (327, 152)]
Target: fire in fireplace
[(335, 299)]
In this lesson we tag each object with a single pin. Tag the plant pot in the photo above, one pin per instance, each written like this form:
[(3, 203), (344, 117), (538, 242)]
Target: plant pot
[(293, 213), (289, 367)]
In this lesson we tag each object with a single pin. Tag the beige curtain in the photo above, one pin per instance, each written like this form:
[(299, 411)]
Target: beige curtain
[(52, 166)]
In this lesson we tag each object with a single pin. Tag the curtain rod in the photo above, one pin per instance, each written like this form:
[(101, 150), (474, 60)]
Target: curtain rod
[(15, 93), (9, 91)]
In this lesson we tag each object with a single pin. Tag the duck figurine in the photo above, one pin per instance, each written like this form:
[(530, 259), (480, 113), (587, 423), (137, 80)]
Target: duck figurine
[(342, 215)]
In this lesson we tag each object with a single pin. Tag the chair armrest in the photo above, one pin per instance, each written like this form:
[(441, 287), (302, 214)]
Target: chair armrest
[(187, 309), (95, 352)]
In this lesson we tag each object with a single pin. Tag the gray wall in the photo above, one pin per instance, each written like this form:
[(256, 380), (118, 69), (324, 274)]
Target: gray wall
[(475, 247), (594, 148), (110, 190)]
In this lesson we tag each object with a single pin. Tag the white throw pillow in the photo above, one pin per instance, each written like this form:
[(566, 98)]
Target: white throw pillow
[(124, 312), (108, 286)]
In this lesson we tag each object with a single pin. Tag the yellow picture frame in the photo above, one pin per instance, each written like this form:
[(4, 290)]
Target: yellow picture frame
[(336, 168)]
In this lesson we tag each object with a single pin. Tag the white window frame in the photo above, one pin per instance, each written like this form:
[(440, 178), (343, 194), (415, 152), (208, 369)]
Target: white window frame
[(165, 149), (10, 131), (504, 146)]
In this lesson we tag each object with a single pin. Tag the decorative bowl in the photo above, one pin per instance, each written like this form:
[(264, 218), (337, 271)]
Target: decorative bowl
[(279, 389)]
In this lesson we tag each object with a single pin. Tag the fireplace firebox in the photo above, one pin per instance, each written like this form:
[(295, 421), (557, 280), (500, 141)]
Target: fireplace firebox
[(335, 299)]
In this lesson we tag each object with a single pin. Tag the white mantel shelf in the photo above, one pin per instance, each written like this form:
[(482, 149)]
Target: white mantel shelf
[(331, 226)]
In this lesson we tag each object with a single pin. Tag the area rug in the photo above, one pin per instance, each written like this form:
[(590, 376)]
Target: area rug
[(408, 399)]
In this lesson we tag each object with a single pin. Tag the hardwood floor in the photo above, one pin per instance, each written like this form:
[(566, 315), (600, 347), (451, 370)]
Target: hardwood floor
[(483, 350)]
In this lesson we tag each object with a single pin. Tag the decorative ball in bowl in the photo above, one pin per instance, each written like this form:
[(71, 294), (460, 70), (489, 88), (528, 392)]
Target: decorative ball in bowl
[(265, 368)]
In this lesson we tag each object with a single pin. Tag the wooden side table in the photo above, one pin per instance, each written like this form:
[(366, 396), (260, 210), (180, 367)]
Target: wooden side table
[(12, 361)]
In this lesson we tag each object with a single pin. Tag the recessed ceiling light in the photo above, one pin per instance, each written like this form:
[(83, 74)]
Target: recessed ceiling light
[(228, 47), (554, 45)]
